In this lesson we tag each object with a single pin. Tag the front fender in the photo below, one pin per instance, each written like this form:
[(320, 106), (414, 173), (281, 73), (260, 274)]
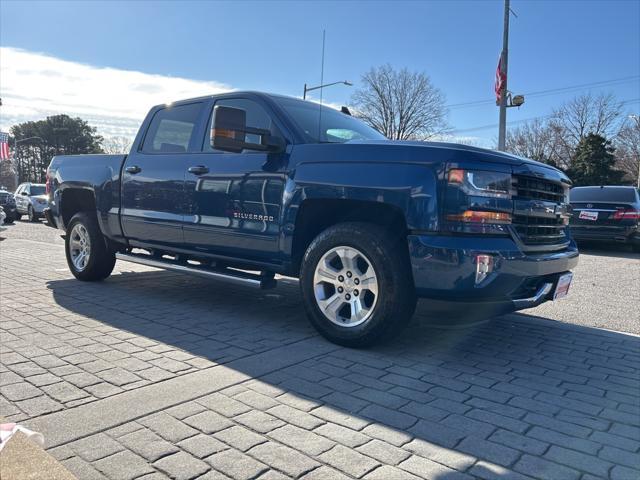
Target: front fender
[(410, 188)]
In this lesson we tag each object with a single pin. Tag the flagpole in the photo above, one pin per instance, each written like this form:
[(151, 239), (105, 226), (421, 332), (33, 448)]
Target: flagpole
[(504, 58)]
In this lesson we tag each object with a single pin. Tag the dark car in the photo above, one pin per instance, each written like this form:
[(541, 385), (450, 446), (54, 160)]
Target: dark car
[(8, 203), (609, 214)]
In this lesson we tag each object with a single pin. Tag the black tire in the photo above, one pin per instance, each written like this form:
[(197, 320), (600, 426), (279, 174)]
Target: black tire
[(18, 216), (635, 248), (101, 259), (31, 214), (396, 299)]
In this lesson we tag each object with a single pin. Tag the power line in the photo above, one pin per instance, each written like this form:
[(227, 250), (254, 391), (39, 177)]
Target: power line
[(552, 91), (524, 120)]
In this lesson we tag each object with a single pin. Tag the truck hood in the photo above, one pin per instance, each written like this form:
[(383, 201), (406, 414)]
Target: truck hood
[(491, 155), (455, 153)]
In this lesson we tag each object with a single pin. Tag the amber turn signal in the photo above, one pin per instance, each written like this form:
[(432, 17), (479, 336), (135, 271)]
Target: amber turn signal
[(472, 216)]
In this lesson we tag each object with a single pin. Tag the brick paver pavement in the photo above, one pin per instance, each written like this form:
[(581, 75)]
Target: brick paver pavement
[(153, 375)]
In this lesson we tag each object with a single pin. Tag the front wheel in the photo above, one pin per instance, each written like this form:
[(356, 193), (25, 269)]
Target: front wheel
[(88, 255), (357, 284), (31, 214)]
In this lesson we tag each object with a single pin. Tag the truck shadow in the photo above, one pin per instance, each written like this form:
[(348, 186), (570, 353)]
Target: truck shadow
[(454, 396)]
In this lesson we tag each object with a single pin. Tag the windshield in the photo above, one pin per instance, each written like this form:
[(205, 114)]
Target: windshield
[(37, 190), (597, 194), (335, 127)]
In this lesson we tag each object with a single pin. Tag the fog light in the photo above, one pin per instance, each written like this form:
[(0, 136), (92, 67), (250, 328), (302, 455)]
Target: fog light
[(484, 266)]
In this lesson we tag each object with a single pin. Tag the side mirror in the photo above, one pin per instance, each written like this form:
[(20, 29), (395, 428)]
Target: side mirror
[(229, 133)]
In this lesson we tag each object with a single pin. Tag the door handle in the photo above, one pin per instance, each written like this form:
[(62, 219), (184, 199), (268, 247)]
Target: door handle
[(133, 169), (198, 170)]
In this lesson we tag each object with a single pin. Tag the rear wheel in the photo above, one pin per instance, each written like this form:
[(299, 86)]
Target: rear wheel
[(88, 255), (357, 285)]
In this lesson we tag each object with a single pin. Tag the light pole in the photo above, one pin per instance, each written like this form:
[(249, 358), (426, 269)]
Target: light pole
[(637, 119), (309, 89)]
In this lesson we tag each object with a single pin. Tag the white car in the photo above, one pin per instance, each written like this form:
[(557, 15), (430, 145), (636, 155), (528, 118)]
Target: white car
[(31, 200), (2, 216)]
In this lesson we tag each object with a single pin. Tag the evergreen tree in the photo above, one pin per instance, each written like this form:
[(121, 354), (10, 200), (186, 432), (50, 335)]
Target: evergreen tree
[(593, 162)]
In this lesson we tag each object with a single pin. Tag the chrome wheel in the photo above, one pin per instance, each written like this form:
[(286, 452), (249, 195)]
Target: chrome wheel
[(345, 286), (79, 247)]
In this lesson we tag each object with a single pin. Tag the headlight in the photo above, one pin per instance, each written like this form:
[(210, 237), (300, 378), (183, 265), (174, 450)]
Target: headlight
[(481, 183)]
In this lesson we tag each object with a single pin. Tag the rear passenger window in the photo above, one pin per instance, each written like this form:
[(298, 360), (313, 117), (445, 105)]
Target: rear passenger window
[(171, 129)]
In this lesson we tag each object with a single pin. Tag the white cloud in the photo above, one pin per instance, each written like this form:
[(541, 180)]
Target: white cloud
[(35, 85)]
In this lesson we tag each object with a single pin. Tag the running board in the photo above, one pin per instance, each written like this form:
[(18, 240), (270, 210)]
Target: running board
[(232, 276)]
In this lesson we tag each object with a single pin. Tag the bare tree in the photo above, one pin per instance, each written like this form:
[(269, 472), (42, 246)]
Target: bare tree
[(627, 144), (585, 114), (401, 105), (116, 145), (537, 140)]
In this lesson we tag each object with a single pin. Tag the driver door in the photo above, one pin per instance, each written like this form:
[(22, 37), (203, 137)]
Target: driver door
[(234, 200)]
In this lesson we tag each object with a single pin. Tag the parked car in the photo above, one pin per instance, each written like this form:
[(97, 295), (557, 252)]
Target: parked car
[(607, 214), (31, 200), (8, 203), (227, 185), (3, 216)]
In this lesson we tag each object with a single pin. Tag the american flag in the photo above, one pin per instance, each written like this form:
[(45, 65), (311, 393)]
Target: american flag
[(4, 146)]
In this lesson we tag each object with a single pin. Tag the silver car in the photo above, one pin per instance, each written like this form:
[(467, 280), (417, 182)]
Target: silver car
[(31, 200)]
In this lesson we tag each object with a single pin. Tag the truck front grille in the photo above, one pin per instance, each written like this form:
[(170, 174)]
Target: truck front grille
[(541, 226)]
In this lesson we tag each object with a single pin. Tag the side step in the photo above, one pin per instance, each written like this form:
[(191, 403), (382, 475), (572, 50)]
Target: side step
[(232, 276)]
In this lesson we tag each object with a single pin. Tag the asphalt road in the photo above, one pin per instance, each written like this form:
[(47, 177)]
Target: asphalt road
[(605, 291)]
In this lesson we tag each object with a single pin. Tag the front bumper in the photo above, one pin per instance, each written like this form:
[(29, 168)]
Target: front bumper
[(10, 210), (39, 208), (444, 268)]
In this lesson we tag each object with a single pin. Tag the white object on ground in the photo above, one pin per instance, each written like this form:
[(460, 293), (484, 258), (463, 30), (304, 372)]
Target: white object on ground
[(7, 430)]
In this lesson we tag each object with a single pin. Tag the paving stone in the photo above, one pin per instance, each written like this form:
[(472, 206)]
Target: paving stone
[(283, 458), (20, 391), (489, 471), (425, 468), (208, 422), (82, 470), (202, 446), (236, 465), (325, 473), (446, 456), (520, 442), (95, 447), (240, 437), (224, 405), (385, 453), (39, 406), (147, 444), (301, 439), (259, 421), (118, 376), (387, 434), (623, 473), (103, 390), (387, 472), (168, 427), (493, 452), (563, 440), (295, 417), (348, 461), (40, 380), (123, 466), (537, 467), (342, 435), (340, 417), (440, 434), (82, 379), (181, 466), (124, 429), (64, 392), (579, 461)]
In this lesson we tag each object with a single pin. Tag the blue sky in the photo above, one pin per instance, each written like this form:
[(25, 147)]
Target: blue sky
[(276, 46)]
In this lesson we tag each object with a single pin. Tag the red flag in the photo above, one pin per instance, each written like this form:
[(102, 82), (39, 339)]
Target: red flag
[(501, 78)]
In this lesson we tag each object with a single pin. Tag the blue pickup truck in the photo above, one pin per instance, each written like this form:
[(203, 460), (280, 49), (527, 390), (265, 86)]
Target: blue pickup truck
[(243, 186)]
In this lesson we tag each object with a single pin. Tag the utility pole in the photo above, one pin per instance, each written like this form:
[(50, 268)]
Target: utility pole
[(504, 59), (637, 120)]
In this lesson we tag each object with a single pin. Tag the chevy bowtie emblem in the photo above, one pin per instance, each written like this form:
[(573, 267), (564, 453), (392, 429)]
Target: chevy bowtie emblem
[(589, 205)]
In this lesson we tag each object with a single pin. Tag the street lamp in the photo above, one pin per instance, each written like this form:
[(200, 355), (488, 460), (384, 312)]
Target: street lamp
[(308, 89)]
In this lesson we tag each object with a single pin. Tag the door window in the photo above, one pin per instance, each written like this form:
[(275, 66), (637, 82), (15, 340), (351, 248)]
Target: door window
[(171, 129), (257, 117)]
